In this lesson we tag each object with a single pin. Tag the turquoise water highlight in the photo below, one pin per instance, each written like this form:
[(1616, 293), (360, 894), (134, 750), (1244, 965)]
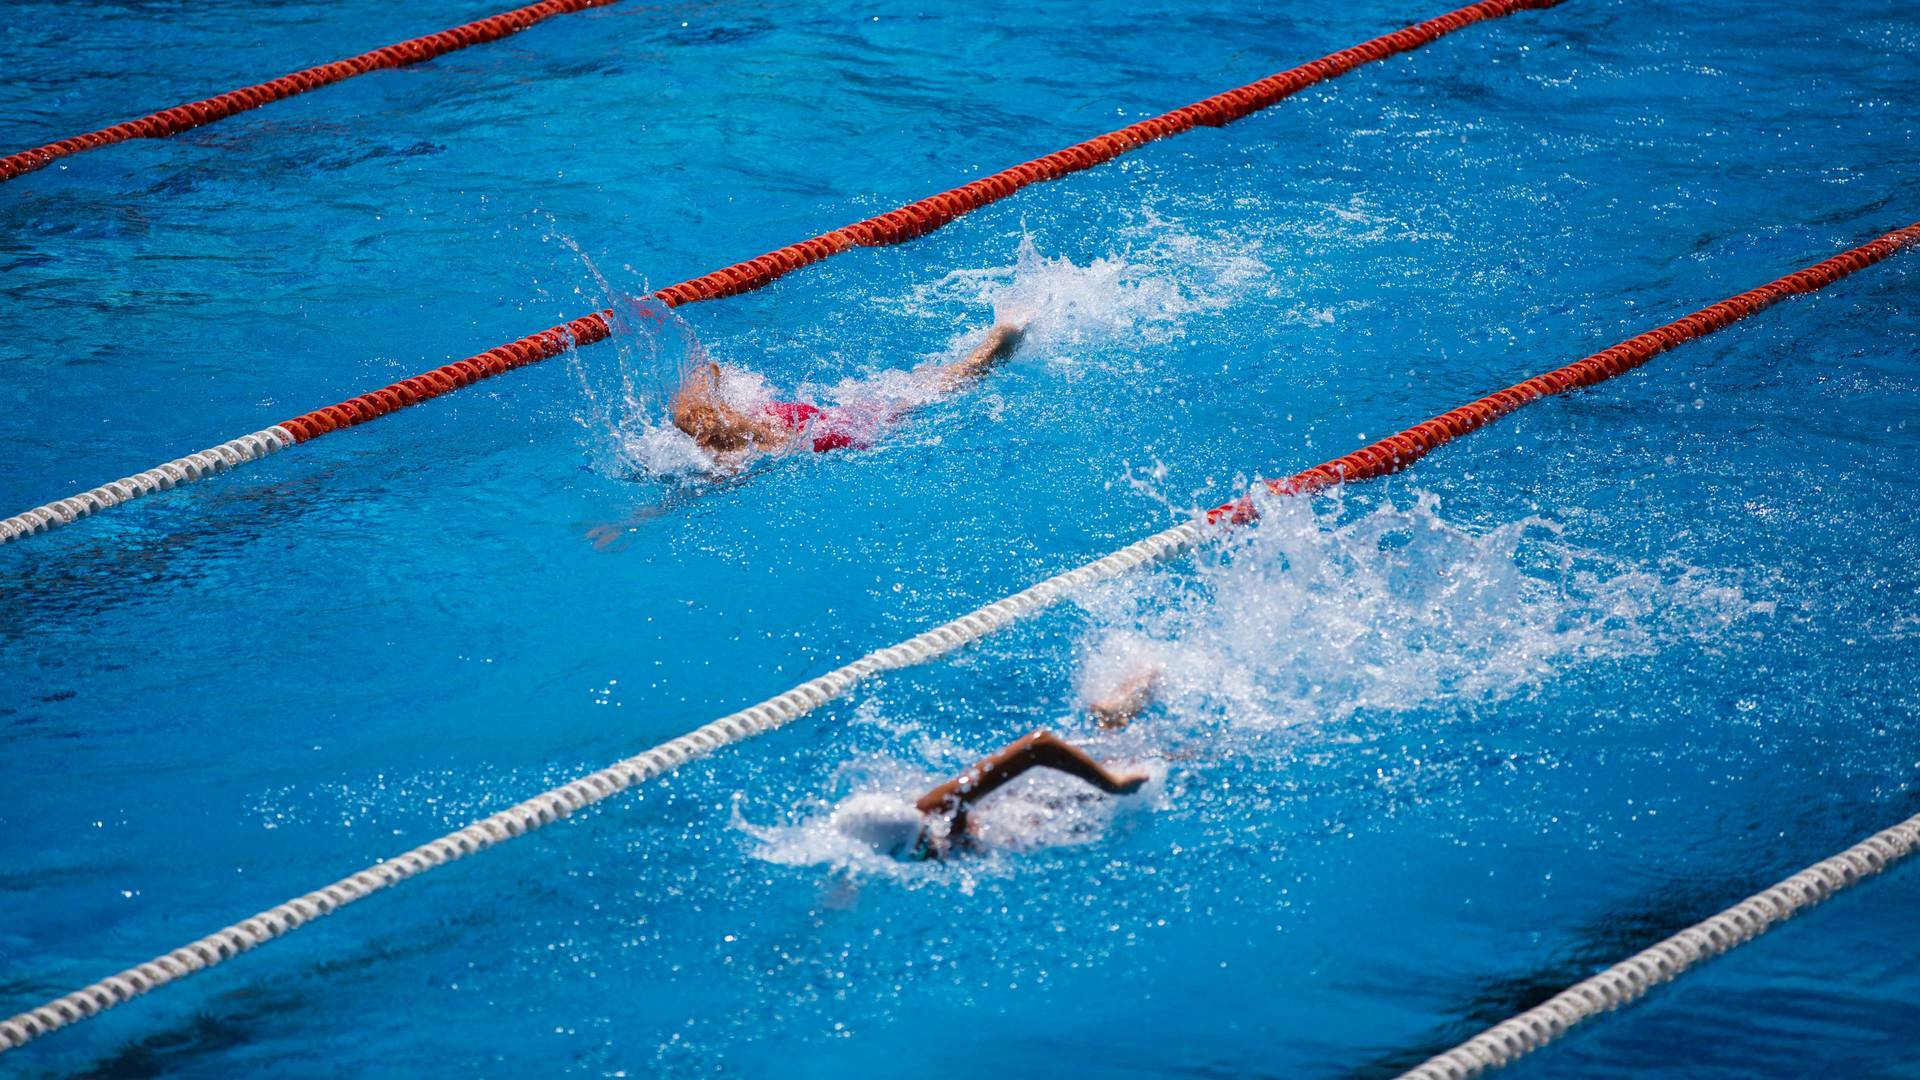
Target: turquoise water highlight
[(1436, 748)]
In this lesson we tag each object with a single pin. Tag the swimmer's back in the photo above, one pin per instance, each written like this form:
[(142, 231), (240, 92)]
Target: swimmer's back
[(799, 416)]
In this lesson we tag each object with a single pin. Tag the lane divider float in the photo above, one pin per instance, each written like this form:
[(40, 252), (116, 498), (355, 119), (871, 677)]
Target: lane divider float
[(220, 106), (893, 227), (1630, 979), (1377, 459), (1396, 452)]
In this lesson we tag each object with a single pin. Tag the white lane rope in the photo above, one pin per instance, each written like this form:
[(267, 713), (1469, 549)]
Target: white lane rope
[(171, 474), (1628, 980), (552, 805)]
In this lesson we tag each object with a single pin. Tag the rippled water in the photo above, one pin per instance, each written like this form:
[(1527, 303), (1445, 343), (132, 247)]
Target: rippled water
[(1431, 750)]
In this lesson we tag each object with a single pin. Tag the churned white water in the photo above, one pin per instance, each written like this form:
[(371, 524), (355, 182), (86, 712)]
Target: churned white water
[(1323, 611), (1143, 293)]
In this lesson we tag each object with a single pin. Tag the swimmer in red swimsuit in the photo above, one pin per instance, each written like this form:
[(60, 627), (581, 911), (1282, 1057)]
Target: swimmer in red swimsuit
[(733, 435)]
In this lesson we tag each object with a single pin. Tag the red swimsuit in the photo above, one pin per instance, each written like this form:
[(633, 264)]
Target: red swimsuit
[(800, 416)]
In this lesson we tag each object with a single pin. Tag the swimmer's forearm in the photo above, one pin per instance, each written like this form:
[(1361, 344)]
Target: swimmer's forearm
[(985, 776), (1039, 749), (999, 344), (995, 347), (1052, 752)]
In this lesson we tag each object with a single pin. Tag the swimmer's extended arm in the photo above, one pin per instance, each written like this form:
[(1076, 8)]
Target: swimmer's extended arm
[(995, 347), (1041, 749)]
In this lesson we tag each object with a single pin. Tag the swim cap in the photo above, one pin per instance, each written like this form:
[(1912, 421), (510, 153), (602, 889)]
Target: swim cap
[(886, 823)]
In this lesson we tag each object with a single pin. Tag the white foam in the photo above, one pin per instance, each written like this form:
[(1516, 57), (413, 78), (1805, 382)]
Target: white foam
[(1142, 296), (1320, 612)]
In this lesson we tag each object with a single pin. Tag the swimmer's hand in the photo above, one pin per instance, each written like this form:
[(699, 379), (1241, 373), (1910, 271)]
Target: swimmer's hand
[(605, 536), (1132, 782), (1111, 715), (1132, 697)]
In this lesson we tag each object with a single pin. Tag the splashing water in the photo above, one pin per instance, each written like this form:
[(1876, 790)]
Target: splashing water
[(1322, 611), (620, 403), (1145, 296), (1064, 306), (1318, 613), (623, 404)]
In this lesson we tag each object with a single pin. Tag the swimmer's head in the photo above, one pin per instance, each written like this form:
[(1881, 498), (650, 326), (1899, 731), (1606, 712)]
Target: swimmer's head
[(889, 825), (696, 411)]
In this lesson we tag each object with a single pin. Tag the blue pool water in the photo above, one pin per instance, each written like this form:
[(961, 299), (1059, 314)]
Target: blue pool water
[(1433, 748)]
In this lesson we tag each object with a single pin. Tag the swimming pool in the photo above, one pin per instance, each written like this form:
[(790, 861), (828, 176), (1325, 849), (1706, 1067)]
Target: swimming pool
[(1436, 747)]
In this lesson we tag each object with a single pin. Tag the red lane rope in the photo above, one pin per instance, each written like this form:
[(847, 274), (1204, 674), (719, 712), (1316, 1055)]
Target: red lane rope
[(1396, 452), (898, 226), (193, 114)]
